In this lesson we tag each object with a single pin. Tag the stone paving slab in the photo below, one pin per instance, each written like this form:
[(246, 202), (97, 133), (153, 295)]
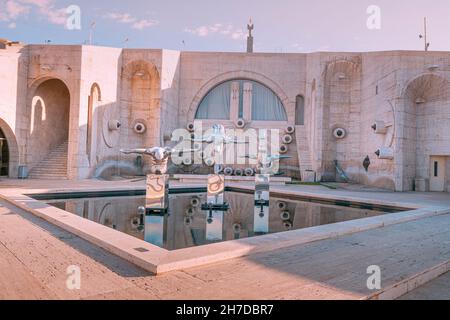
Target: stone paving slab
[(40, 253), (330, 269), (437, 289)]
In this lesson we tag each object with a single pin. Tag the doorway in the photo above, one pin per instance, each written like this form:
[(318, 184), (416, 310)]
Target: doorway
[(437, 174), (4, 155)]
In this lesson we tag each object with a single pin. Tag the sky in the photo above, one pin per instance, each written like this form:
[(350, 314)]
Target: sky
[(221, 25)]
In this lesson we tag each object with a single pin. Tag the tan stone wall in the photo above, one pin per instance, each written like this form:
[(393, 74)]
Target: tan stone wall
[(100, 76), (49, 120), (46, 62), (11, 117), (163, 89), (284, 74)]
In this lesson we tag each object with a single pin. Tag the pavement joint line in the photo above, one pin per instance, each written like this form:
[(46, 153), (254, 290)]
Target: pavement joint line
[(165, 261), (409, 284)]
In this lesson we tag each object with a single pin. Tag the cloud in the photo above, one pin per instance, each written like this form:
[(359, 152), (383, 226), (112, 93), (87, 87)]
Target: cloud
[(15, 9), (217, 29), (55, 16), (12, 25), (120, 17), (142, 24), (127, 18), (12, 10)]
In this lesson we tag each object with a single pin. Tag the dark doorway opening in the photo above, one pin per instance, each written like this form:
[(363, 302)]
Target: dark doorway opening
[(4, 155)]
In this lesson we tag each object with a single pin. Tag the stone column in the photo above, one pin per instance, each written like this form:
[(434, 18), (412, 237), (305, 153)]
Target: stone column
[(248, 96), (234, 107)]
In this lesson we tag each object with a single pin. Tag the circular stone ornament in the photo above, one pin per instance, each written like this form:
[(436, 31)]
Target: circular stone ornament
[(110, 137), (240, 123), (287, 139), (139, 127), (339, 133), (290, 130), (284, 149)]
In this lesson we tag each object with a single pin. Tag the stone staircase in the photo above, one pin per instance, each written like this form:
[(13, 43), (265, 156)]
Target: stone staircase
[(54, 166)]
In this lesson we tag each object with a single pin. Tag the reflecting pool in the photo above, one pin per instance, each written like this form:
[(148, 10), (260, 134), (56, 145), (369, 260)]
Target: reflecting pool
[(187, 225)]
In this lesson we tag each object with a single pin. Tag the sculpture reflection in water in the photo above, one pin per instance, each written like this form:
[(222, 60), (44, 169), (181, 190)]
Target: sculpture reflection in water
[(157, 187), (156, 210), (267, 165), (215, 206), (187, 224)]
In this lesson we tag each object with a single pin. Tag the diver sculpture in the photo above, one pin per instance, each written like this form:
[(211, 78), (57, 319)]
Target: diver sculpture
[(218, 139), (156, 200), (265, 163), (265, 167), (216, 205), (159, 157)]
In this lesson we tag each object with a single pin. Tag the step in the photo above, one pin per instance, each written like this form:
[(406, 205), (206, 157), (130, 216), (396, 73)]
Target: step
[(54, 166), (51, 165), (48, 173), (60, 172), (49, 170), (49, 178)]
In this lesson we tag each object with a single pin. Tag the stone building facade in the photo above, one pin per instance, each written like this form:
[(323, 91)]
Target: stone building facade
[(380, 118)]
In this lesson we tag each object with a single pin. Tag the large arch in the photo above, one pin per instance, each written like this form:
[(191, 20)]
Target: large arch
[(341, 109), (11, 148), (242, 74), (49, 103), (266, 105), (140, 104), (423, 122)]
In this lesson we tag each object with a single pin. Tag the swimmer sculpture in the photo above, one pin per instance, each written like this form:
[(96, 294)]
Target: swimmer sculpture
[(266, 162), (216, 205), (158, 180), (218, 138), (266, 167), (159, 157)]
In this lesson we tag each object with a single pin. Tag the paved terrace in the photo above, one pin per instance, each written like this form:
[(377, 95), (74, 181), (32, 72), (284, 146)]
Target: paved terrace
[(35, 256)]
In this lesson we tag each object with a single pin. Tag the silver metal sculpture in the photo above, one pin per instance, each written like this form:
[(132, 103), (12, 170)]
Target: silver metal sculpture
[(265, 163), (159, 157), (218, 138), (216, 205), (157, 187)]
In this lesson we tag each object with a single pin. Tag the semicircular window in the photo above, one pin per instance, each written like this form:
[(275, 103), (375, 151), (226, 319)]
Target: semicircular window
[(265, 104), (216, 104)]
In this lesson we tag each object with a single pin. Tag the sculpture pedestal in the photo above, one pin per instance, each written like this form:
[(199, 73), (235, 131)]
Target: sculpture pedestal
[(262, 203), (157, 194), (215, 207), (156, 209)]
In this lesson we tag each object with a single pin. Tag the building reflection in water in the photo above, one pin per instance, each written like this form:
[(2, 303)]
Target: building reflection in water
[(214, 226), (155, 229), (187, 225)]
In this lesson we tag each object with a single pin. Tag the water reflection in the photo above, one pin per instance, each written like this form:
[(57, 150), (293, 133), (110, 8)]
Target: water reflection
[(187, 225)]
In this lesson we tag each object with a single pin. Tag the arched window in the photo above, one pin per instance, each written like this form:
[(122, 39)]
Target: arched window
[(216, 104), (299, 110), (265, 104)]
